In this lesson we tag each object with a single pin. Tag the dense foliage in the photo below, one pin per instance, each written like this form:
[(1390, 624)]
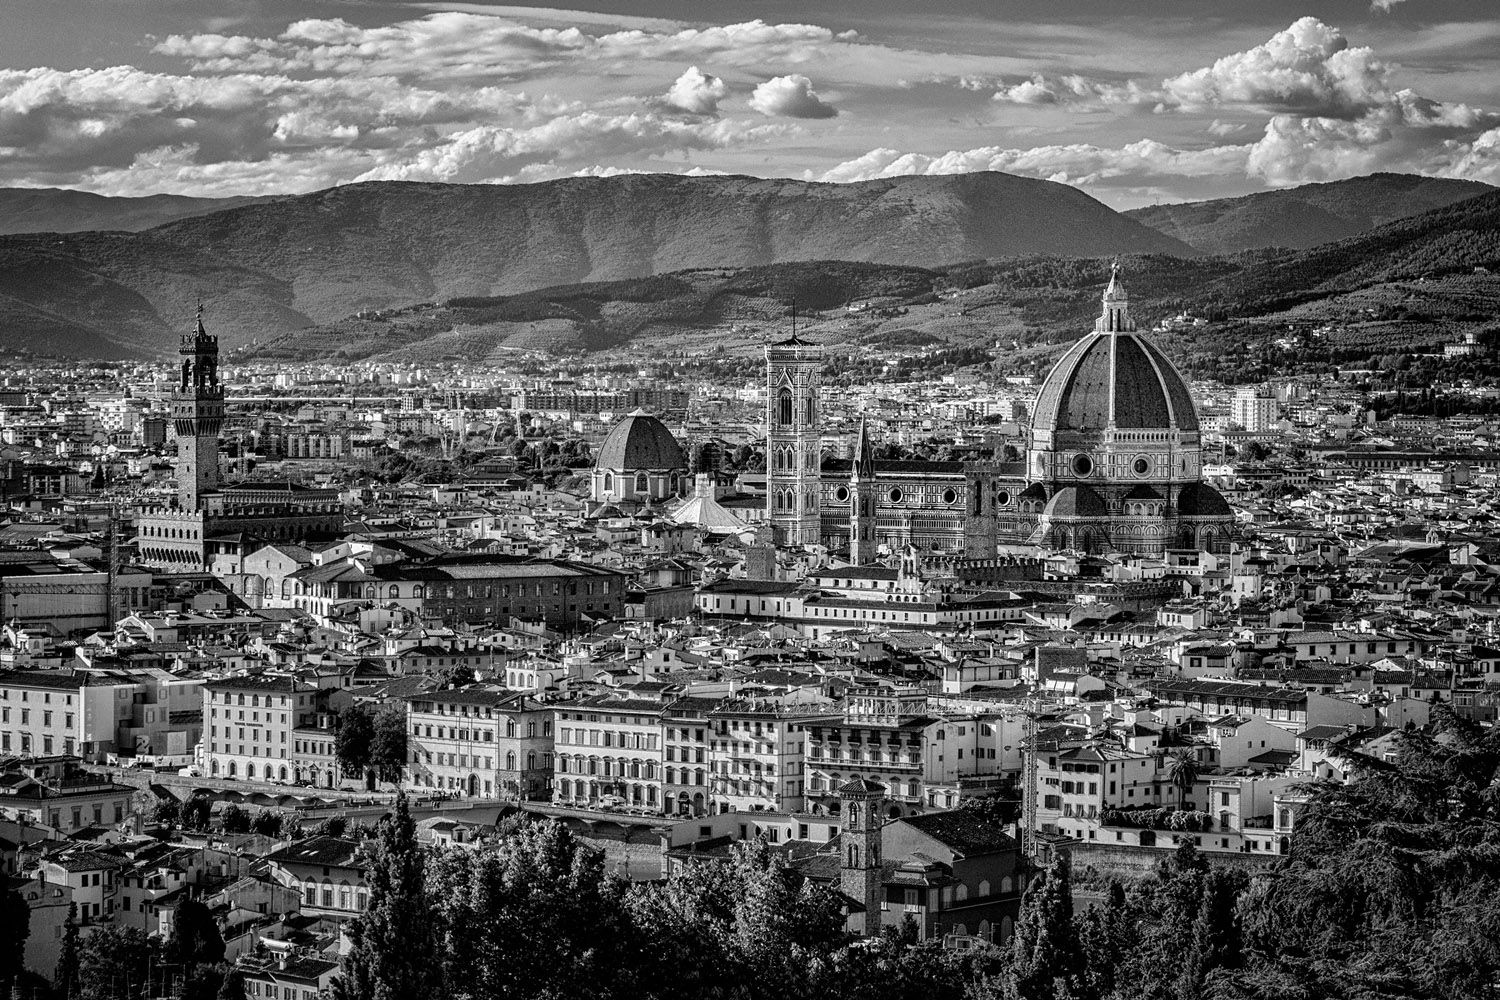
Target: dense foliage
[(1390, 891)]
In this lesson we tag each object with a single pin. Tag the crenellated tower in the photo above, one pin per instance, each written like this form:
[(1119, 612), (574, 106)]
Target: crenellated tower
[(197, 416), (794, 460)]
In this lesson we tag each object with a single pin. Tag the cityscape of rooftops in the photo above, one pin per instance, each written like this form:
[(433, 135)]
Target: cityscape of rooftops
[(520, 503)]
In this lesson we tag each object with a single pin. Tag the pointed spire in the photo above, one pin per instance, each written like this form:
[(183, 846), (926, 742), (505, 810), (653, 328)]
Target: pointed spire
[(1114, 315), (864, 454)]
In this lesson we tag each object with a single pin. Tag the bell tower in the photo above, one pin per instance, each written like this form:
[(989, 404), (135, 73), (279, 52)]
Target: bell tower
[(197, 416), (860, 875), (794, 461), (862, 541)]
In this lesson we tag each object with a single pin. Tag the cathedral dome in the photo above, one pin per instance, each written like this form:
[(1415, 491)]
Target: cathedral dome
[(1114, 378), (640, 441), (1202, 500)]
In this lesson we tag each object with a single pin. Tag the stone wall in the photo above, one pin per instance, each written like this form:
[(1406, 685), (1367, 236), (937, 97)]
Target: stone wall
[(1125, 861)]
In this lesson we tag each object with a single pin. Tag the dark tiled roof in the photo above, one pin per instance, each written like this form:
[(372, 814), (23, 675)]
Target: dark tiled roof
[(964, 832)]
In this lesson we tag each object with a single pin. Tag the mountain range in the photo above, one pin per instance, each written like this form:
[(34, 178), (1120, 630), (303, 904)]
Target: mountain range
[(1307, 216), (1415, 282), (271, 268), (301, 269)]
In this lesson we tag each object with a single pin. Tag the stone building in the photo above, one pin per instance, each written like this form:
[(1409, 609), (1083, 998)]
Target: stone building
[(1113, 463), (639, 460)]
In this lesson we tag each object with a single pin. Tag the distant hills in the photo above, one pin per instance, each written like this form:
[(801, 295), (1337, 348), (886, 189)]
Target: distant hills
[(471, 271), (1307, 216), (1411, 282), (274, 267), (57, 210)]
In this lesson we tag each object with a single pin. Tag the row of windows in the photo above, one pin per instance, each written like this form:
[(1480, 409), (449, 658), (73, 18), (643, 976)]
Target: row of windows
[(487, 763), (607, 738), (46, 717), (25, 743), (607, 766), (25, 696)]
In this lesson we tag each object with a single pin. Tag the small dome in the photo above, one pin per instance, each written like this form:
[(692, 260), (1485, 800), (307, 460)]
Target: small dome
[(640, 441), (1076, 501), (1202, 500)]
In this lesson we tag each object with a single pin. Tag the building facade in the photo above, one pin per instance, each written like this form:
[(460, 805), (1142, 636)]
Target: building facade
[(481, 743)]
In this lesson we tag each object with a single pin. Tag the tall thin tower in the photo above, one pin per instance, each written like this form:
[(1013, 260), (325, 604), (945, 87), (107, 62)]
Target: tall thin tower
[(197, 416), (794, 460)]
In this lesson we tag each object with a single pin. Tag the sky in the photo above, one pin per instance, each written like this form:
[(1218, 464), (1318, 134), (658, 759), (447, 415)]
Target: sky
[(1134, 101)]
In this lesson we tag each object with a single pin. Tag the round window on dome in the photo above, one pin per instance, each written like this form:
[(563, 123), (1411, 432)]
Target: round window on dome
[(841, 494), (895, 494), (1141, 465), (950, 497), (1082, 465), (1002, 498)]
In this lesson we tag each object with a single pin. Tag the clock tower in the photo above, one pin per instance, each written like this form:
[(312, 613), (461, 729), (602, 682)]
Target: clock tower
[(197, 416)]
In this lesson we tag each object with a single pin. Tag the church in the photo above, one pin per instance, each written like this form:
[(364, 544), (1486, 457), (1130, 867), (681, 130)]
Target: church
[(213, 525), (1113, 463)]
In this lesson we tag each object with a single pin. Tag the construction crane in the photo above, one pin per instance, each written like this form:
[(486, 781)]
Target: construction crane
[(1029, 781)]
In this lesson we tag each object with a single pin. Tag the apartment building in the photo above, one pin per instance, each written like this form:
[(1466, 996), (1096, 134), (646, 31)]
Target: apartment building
[(610, 752), (687, 788), (56, 794), (756, 752), (250, 721), (481, 742), (326, 872), (891, 736)]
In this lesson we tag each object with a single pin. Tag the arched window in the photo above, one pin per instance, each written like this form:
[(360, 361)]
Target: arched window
[(807, 410), (510, 760), (784, 407), (531, 761), (394, 592), (609, 481), (640, 483)]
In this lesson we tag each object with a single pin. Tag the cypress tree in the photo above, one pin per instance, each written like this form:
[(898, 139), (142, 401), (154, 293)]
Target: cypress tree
[(393, 954), (15, 928), (1045, 956), (65, 978)]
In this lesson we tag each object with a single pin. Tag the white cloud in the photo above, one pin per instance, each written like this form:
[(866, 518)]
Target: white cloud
[(790, 97), (488, 152), (1384, 5), (1308, 68), (1079, 163), (697, 92)]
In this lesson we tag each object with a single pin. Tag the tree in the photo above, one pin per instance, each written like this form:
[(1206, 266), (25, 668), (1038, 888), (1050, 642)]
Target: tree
[(65, 977), (235, 819), (196, 812), (233, 986), (15, 928), (388, 744), (539, 916), (333, 826), (268, 824), (113, 963), (393, 954), (1045, 957), (195, 936), (168, 810), (354, 739), (1183, 773)]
